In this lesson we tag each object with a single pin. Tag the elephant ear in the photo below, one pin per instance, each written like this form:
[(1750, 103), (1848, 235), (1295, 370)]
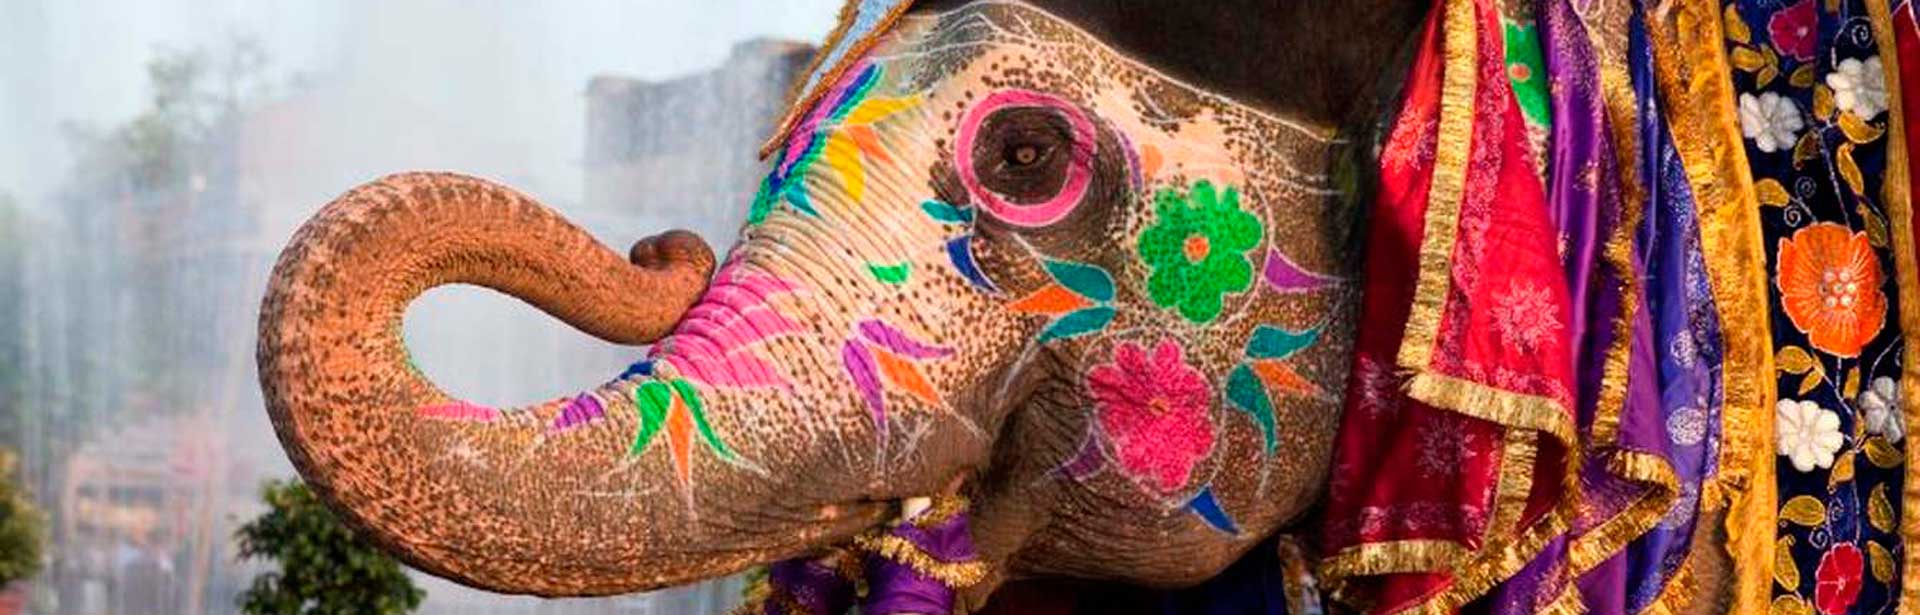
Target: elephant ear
[(862, 22)]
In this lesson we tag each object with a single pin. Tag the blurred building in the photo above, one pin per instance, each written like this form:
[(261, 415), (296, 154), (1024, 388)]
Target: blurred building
[(681, 153), (140, 325)]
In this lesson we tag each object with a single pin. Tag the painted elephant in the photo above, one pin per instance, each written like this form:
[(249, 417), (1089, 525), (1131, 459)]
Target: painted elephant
[(1054, 252)]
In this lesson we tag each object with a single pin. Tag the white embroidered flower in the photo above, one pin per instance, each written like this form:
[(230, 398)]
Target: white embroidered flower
[(1772, 121), (1688, 425), (1859, 87), (1525, 316), (1882, 405), (1807, 434)]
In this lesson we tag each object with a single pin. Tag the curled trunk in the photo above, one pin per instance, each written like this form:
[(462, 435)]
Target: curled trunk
[(545, 499)]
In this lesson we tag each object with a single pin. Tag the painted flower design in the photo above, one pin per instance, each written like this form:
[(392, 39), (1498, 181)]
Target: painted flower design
[(1771, 120), (1807, 434), (1795, 30), (1836, 583), (1154, 408), (1197, 249), (1881, 403), (1859, 87), (1829, 284)]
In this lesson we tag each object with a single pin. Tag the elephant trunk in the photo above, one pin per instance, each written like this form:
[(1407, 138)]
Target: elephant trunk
[(545, 499)]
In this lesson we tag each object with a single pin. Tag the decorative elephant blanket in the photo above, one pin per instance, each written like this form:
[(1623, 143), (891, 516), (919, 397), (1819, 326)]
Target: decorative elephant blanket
[(1634, 292)]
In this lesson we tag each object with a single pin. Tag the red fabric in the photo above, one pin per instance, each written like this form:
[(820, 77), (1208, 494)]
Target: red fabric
[(1406, 470)]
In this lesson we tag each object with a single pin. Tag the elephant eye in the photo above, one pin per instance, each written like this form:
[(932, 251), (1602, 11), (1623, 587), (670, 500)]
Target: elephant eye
[(1026, 157)]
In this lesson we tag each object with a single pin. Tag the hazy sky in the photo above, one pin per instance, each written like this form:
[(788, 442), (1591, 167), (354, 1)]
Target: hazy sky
[(485, 74)]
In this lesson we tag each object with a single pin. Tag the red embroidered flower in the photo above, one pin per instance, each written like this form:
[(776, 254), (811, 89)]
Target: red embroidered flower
[(1155, 411), (1837, 581), (1794, 29)]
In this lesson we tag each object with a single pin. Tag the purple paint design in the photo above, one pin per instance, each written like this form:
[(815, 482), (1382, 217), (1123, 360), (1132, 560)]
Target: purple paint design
[(897, 341), (460, 411), (1133, 160), (1079, 163), (1285, 276), (866, 378), (579, 411), (1085, 463)]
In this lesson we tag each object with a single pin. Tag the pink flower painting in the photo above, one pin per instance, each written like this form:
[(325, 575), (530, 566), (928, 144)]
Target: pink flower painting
[(1155, 410)]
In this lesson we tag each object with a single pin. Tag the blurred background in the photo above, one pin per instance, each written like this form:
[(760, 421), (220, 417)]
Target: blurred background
[(156, 155)]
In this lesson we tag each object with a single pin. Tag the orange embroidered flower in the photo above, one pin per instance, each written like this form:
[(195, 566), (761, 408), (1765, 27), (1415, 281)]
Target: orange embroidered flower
[(1830, 284)]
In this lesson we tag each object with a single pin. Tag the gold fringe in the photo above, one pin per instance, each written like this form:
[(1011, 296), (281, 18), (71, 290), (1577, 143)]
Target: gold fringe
[(1605, 540), (801, 102), (1568, 603), (1681, 590), (1499, 406), (1895, 192), (952, 574), (763, 593), (1397, 557), (944, 509), (1694, 78), (1459, 80)]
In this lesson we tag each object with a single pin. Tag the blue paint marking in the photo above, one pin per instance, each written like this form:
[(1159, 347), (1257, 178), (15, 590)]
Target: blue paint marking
[(1209, 511), (641, 368)]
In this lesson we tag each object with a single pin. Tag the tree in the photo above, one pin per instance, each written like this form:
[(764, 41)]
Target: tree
[(22, 530), (325, 567)]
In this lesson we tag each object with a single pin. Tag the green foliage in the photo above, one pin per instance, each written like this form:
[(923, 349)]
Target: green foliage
[(22, 528), (325, 568)]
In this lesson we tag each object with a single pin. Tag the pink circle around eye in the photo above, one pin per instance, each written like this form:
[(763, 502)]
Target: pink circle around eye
[(1079, 166)]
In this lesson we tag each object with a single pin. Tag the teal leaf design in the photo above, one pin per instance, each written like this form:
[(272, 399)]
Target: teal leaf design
[(1248, 395), (946, 212), (1077, 323), (1090, 281), (1269, 342), (652, 400), (891, 274)]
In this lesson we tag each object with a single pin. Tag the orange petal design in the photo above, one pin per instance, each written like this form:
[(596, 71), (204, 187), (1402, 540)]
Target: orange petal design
[(1149, 160), (905, 375), (1280, 378), (869, 143), (1830, 287), (1052, 299), (680, 438)]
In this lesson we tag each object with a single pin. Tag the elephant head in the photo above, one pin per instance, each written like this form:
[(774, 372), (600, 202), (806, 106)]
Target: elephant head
[(1115, 306)]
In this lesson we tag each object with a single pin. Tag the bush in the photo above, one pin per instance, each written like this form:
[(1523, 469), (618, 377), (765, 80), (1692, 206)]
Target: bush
[(325, 568), (22, 529)]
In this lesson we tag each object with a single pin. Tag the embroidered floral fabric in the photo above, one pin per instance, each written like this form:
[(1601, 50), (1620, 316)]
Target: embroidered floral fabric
[(1813, 107)]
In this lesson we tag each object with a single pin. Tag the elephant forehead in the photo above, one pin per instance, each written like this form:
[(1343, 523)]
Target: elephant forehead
[(959, 56)]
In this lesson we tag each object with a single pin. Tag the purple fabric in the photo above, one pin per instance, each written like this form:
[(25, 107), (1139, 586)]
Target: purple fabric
[(896, 588), (813, 584), (1671, 407), (899, 589)]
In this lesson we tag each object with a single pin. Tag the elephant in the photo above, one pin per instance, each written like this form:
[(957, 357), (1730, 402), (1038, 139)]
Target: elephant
[(1055, 255)]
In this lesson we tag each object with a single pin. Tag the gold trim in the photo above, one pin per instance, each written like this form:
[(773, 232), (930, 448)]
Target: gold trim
[(802, 102), (951, 574), (1487, 403), (1695, 81), (1681, 590), (1397, 557), (1569, 603), (1896, 196), (1458, 85), (944, 509)]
